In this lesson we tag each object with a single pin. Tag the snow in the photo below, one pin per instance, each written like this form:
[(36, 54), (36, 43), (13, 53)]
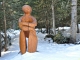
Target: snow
[(65, 28), (46, 50)]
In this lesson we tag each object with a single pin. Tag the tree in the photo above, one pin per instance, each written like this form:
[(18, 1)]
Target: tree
[(62, 13), (73, 21), (53, 17), (0, 44), (5, 39)]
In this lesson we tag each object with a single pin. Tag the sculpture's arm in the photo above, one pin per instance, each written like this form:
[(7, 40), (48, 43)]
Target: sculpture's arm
[(23, 26), (33, 24), (26, 28)]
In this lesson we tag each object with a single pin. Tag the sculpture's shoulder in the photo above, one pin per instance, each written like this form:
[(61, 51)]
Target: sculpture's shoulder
[(34, 19), (26, 18)]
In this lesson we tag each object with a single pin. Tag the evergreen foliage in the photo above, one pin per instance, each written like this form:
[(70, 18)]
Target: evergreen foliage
[(41, 10), (59, 38)]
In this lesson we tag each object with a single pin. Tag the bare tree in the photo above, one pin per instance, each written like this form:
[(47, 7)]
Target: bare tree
[(5, 25), (73, 21), (53, 17), (0, 44)]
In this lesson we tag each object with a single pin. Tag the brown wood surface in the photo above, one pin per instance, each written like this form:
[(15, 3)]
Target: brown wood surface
[(27, 25)]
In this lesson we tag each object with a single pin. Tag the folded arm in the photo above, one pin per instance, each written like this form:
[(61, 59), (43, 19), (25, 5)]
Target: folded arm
[(33, 24), (27, 26)]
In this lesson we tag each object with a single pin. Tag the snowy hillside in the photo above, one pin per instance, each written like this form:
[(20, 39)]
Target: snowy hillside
[(46, 51)]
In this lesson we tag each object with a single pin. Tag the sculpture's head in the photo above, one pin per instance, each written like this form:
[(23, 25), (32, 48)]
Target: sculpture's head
[(27, 9)]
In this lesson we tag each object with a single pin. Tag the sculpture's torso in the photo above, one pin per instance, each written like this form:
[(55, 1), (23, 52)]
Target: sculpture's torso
[(27, 19)]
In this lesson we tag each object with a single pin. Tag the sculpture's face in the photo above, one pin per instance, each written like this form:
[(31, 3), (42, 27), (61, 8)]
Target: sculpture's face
[(27, 9)]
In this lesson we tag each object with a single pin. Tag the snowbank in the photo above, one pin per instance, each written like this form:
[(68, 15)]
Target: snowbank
[(46, 51)]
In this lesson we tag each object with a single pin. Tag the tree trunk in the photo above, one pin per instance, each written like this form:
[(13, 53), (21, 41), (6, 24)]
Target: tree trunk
[(14, 24), (47, 26), (73, 21), (53, 18), (0, 43), (5, 39)]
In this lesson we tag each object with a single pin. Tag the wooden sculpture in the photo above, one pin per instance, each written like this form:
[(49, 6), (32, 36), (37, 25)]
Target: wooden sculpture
[(27, 25)]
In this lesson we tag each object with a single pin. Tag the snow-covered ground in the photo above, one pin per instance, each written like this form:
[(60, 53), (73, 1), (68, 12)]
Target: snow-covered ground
[(46, 51)]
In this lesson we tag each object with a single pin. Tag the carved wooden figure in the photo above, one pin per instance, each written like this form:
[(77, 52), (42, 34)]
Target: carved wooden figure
[(27, 25)]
